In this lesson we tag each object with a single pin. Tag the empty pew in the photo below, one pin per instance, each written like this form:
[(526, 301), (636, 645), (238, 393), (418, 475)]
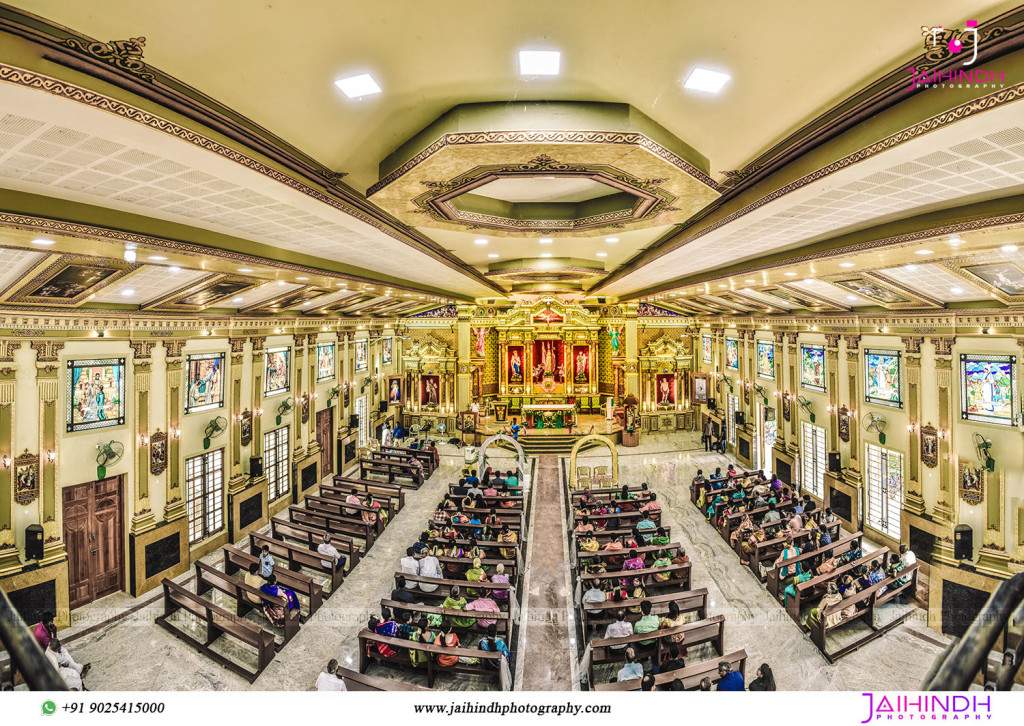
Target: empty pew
[(219, 622), (356, 681), (335, 524)]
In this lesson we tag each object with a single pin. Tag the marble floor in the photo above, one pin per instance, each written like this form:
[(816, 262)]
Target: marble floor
[(129, 652)]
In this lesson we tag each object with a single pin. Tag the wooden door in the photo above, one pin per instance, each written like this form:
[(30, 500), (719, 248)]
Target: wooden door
[(325, 437), (93, 534)]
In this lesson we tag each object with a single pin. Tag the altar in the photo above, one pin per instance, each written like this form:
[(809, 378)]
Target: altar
[(549, 415)]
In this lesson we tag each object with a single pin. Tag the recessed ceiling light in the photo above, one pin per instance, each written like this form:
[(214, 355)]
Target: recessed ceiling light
[(957, 290), (43, 242), (808, 281), (722, 287), (611, 240), (909, 266), (127, 293), (302, 279), (1009, 248), (545, 254), (236, 299), (790, 274), (493, 255), (358, 86), (750, 282), (341, 284), (851, 297), (846, 264), (602, 254), (545, 240), (539, 62), (955, 240), (480, 241), (245, 269), (281, 282), (922, 252), (174, 268), (701, 79), (157, 258)]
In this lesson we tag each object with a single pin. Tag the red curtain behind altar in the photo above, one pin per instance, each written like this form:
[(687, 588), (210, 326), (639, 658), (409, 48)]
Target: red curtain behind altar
[(548, 358)]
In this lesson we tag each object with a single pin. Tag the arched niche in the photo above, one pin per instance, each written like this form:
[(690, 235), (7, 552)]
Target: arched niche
[(601, 439), (503, 437)]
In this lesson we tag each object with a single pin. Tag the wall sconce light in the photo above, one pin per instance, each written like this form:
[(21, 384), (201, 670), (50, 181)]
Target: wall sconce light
[(206, 332), (51, 456), (143, 440), (236, 418), (100, 334), (943, 434), (7, 461), (316, 396), (911, 427), (176, 433), (831, 408)]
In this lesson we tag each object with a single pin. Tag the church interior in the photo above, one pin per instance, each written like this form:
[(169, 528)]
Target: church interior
[(687, 338)]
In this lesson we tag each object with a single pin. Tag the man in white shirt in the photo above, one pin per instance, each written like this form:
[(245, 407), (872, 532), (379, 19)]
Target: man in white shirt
[(619, 629), (332, 558), (71, 672), (595, 594), (330, 681), (429, 567), (410, 566), (907, 557)]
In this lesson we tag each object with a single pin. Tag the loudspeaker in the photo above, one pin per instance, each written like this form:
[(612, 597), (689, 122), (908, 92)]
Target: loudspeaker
[(353, 421), (711, 404), (834, 464), (255, 467), (33, 542), (963, 542), (382, 407), (740, 418)]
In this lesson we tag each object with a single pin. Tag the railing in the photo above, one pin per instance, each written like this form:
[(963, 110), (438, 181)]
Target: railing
[(968, 656), (25, 655)]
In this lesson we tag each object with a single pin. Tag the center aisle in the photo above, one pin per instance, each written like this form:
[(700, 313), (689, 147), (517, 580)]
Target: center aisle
[(545, 645)]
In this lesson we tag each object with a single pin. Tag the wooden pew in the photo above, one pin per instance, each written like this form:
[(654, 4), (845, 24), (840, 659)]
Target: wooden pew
[(431, 666), (392, 470), (577, 492), (607, 535), (841, 545), (501, 512), (501, 619), (296, 556), (691, 675), (399, 457), (711, 630), (343, 486), (488, 545), (218, 622), (466, 529), (816, 585), (209, 577), (236, 559), (628, 518), (356, 681), (603, 613), (342, 509), (444, 586), (734, 519), (770, 549), (865, 603), (335, 524), (312, 537), (679, 580), (641, 551), (424, 455), (464, 563)]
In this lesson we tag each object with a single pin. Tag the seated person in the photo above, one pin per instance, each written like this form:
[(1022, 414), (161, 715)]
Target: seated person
[(329, 680), (673, 661), (492, 643), (729, 680), (276, 613), (584, 526), (646, 527), (619, 629), (632, 669), (455, 601), (647, 623), (332, 558), (70, 672), (401, 591), (484, 604), (476, 573), (595, 594), (499, 578), (653, 505)]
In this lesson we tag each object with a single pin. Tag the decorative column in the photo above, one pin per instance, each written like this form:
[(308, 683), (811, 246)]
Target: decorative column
[(632, 346), (9, 560), (792, 356), (781, 371), (257, 396), (236, 478), (48, 389), (309, 410), (298, 352), (945, 507), (464, 352), (832, 387), (913, 500), (142, 367), (853, 375), (175, 507)]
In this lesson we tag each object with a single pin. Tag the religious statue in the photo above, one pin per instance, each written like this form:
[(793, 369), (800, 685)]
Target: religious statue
[(615, 334), (431, 386), (582, 365), (517, 366), (665, 399), (481, 339)]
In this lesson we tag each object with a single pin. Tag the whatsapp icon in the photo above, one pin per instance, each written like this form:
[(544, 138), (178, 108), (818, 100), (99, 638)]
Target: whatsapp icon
[(49, 708)]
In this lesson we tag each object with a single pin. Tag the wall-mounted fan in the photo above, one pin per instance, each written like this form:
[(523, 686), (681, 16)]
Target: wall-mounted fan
[(762, 392), (284, 407), (215, 428), (109, 453), (874, 422), (333, 394), (805, 404), (984, 447)]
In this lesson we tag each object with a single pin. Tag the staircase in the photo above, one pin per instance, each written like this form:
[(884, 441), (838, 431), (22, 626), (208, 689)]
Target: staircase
[(557, 444)]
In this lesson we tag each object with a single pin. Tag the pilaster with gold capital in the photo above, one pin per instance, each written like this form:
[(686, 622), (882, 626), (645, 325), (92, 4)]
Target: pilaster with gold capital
[(174, 507), (48, 390), (256, 376), (143, 519), (945, 507), (236, 478), (9, 560), (309, 411), (298, 386)]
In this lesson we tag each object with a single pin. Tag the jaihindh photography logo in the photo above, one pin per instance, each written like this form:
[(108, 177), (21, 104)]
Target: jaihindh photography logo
[(921, 707), (940, 42)]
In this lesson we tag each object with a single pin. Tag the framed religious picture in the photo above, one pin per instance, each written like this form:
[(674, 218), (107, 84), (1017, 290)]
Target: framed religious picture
[(929, 446), (26, 478), (277, 371), (705, 348), (246, 427), (395, 390), (766, 359), (467, 422), (325, 362), (205, 382), (304, 403), (732, 354), (972, 482), (387, 351), (882, 369), (95, 393), (787, 407), (362, 356), (516, 365), (700, 388), (988, 388), (581, 364), (812, 367), (158, 452), (500, 412), (430, 391), (665, 389), (844, 423)]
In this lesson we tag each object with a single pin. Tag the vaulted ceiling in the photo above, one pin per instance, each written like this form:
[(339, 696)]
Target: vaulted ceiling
[(239, 172)]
